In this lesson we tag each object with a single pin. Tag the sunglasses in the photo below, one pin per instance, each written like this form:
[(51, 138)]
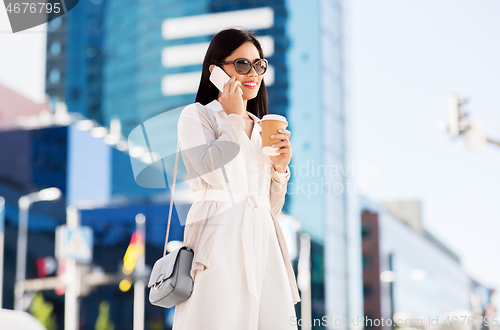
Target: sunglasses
[(244, 66)]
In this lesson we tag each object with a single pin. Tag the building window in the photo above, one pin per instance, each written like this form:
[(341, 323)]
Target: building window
[(91, 52), (365, 231), (367, 291), (75, 94), (54, 24), (55, 76), (55, 48), (367, 261)]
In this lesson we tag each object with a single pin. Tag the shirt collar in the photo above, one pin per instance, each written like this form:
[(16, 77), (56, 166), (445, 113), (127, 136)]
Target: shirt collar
[(215, 106), (254, 117)]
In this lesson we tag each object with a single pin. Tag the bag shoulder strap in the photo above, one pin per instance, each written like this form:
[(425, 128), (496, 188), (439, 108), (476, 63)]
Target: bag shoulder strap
[(172, 203)]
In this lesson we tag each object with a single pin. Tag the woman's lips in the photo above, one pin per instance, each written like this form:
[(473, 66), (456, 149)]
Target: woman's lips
[(250, 84)]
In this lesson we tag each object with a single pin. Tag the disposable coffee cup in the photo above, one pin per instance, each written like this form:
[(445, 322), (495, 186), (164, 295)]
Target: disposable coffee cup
[(270, 125)]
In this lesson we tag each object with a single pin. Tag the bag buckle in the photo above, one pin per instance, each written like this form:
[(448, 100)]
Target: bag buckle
[(158, 285)]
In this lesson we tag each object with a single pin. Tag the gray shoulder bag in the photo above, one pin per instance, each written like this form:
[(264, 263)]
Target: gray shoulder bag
[(170, 282)]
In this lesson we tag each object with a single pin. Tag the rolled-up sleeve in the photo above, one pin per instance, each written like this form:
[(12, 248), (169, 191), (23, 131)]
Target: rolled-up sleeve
[(200, 146), (278, 189)]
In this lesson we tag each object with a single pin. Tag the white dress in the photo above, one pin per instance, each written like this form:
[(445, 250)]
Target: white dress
[(242, 273)]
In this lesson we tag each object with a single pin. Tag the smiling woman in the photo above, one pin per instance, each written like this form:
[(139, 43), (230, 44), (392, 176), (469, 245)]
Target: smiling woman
[(230, 53), (242, 274)]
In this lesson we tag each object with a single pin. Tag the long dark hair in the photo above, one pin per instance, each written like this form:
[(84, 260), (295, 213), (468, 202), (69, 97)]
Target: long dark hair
[(223, 44)]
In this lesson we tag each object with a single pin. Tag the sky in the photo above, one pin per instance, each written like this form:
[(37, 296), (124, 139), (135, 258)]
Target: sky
[(402, 59), (22, 58)]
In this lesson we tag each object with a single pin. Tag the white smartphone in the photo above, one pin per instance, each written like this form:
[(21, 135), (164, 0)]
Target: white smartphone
[(218, 77)]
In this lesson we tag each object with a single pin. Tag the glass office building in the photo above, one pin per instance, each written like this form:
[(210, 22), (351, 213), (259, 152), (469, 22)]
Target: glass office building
[(316, 115), (407, 273), (134, 60), (75, 57)]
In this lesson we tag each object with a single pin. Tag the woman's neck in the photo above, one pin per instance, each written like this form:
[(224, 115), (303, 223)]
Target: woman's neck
[(247, 115)]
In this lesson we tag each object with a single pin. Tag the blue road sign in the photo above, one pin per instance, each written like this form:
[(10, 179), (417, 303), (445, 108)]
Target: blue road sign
[(75, 243)]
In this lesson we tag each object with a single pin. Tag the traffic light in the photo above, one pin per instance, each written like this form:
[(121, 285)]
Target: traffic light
[(45, 266), (455, 115)]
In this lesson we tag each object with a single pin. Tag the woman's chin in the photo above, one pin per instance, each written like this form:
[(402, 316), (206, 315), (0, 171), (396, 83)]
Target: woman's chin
[(250, 96)]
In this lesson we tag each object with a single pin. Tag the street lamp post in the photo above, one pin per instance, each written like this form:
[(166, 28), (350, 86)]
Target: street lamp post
[(139, 286), (24, 202)]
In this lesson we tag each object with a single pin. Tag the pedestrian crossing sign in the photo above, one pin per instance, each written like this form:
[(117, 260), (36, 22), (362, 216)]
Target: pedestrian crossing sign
[(74, 243)]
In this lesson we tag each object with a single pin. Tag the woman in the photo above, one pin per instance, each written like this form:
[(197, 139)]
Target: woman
[(242, 274)]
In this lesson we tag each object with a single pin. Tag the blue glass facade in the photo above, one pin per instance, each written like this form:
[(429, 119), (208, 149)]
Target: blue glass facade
[(315, 101), (55, 73), (84, 58)]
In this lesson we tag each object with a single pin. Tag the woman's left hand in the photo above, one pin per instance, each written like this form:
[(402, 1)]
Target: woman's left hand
[(285, 150)]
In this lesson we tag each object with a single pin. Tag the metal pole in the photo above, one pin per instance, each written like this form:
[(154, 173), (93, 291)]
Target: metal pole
[(493, 142), (139, 285), (24, 202), (2, 222), (70, 298), (304, 280), (22, 243), (391, 287), (71, 303)]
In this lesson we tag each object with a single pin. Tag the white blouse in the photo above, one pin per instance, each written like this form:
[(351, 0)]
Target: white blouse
[(216, 150)]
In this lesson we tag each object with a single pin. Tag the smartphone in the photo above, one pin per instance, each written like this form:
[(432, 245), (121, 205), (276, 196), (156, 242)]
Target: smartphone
[(218, 77)]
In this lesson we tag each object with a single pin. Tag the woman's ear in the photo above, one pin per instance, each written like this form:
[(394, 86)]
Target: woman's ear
[(211, 67)]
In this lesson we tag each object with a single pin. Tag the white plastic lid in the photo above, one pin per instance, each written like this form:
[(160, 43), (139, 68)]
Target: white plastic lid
[(274, 117)]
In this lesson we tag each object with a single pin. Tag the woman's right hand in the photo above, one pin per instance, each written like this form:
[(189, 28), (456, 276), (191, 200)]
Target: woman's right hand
[(231, 99)]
